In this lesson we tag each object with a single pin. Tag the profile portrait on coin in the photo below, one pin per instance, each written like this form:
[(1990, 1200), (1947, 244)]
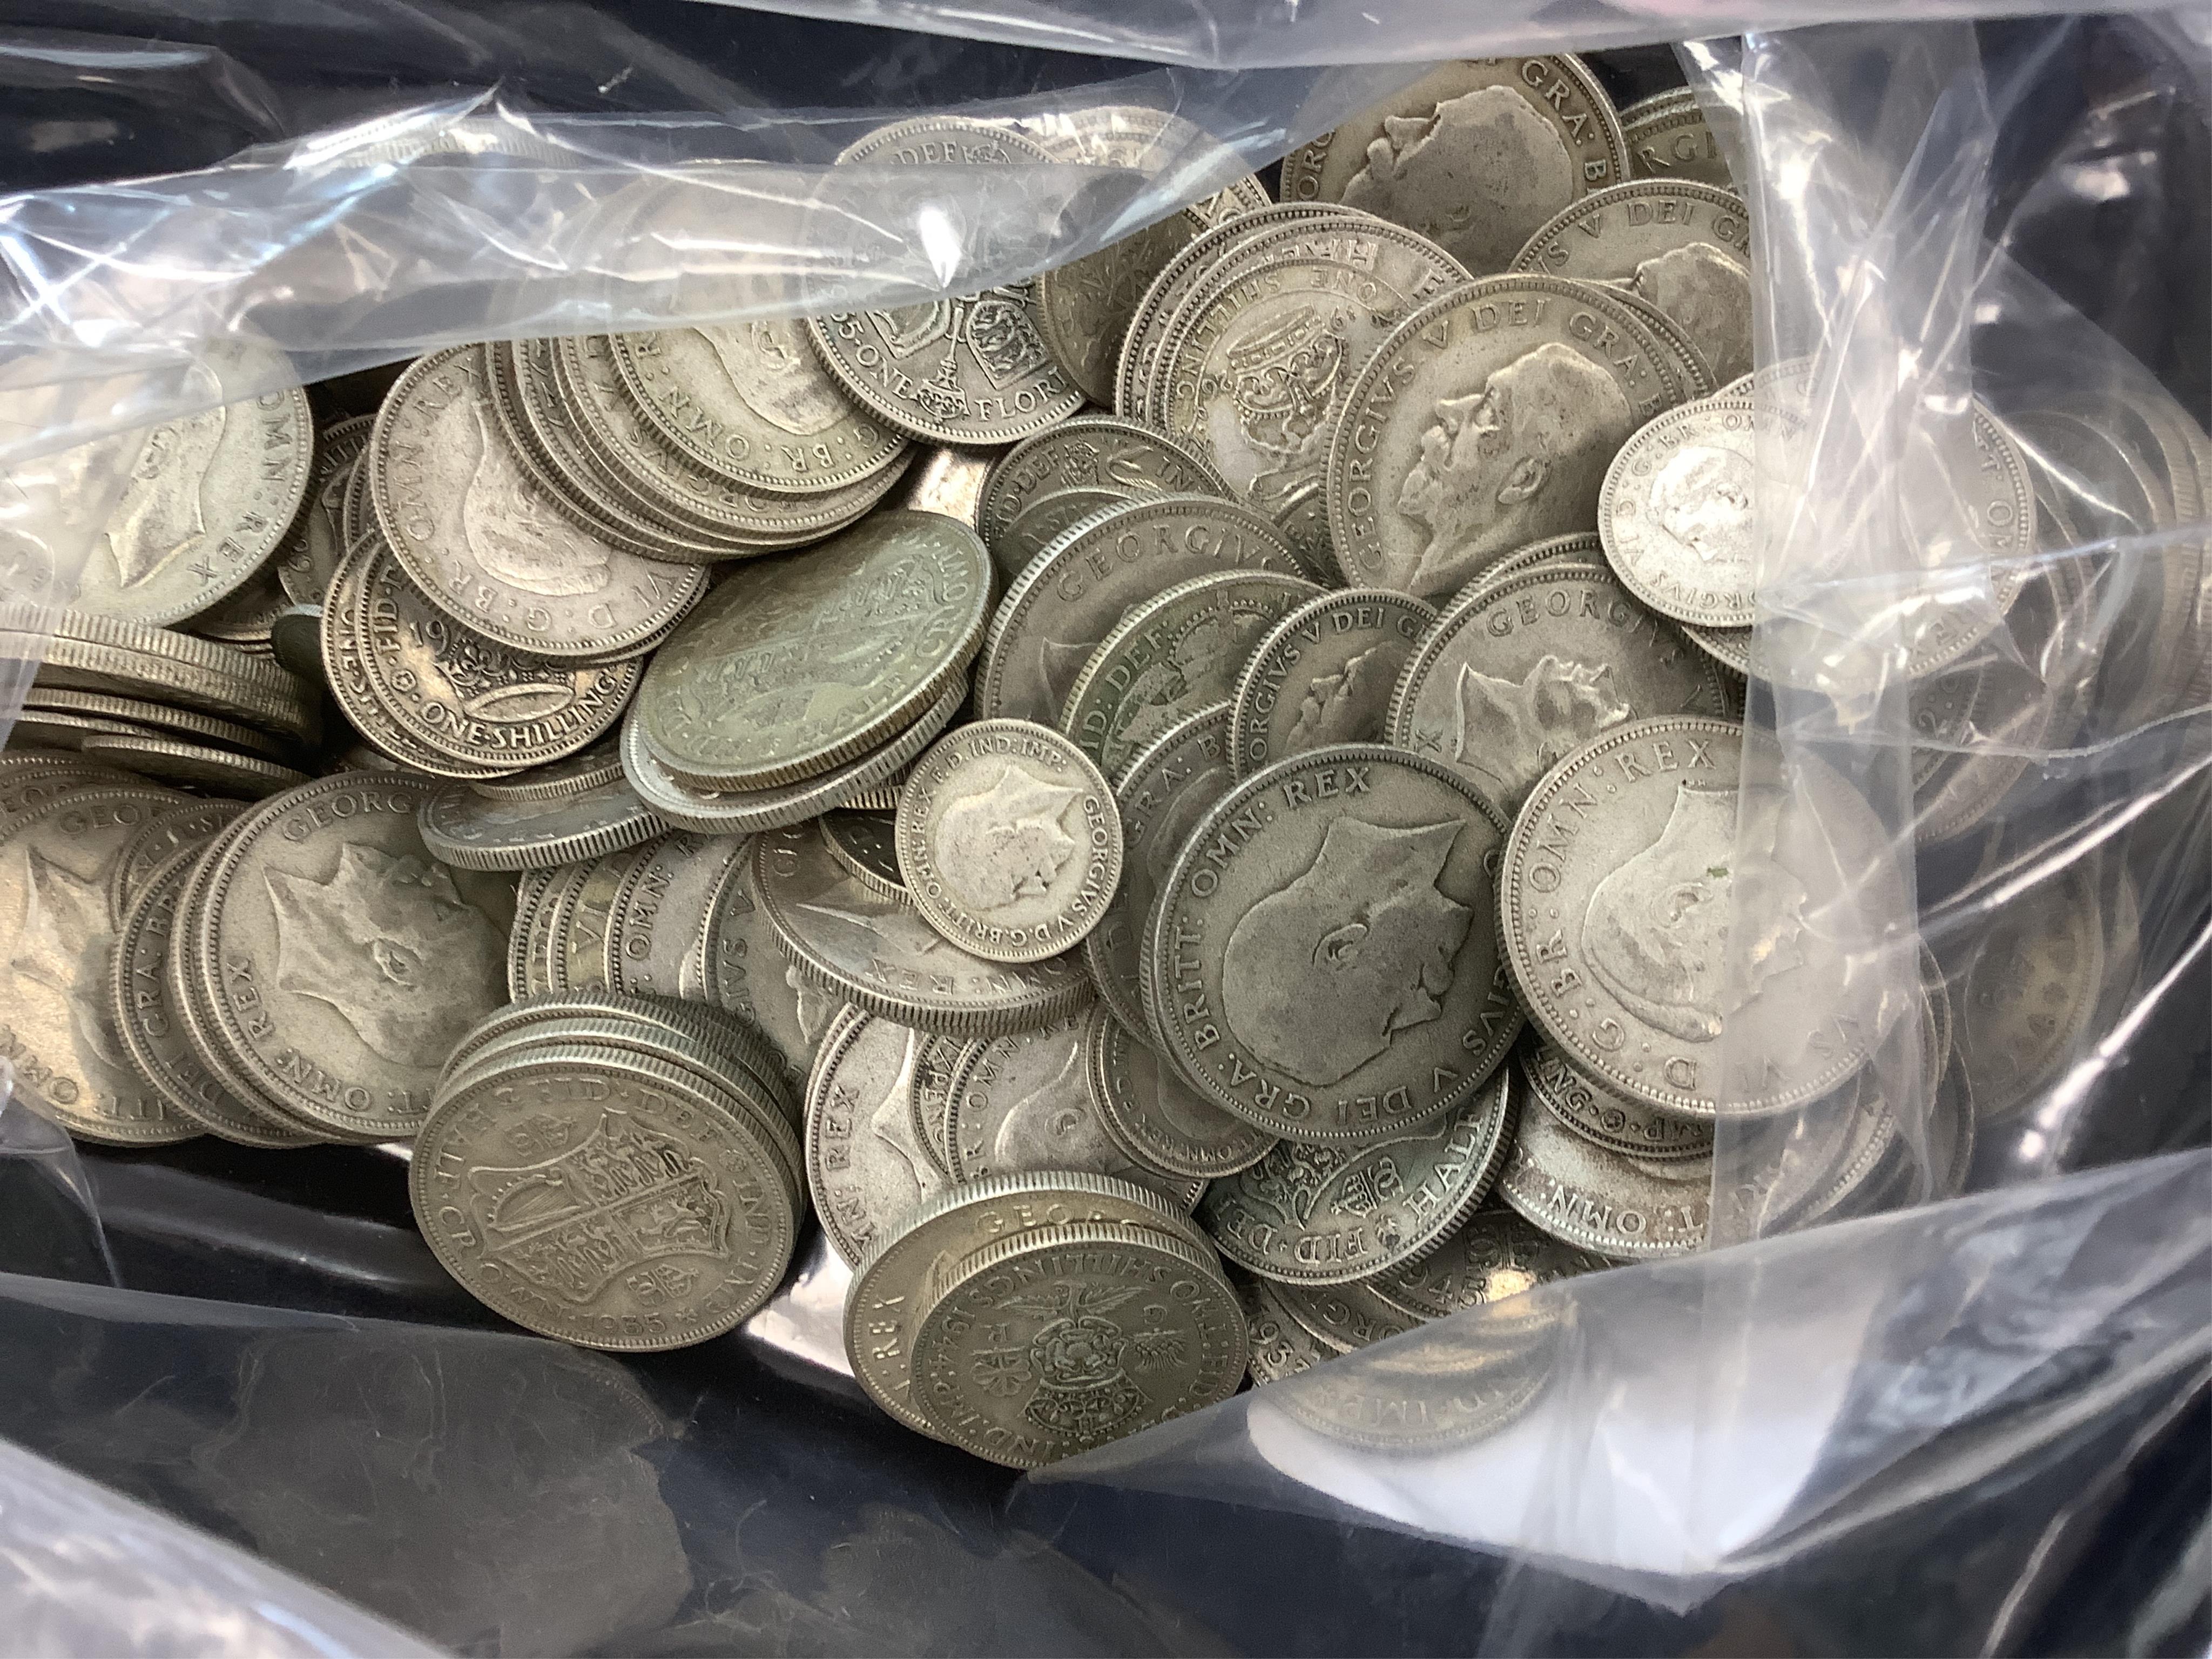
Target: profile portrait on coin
[(514, 532), (1479, 176), (776, 375), (63, 943), (1702, 498), (1518, 460), (815, 1007), (1709, 293), (162, 513), (1344, 706), (1006, 842), (1054, 1128), (1513, 732), (1285, 378), (1318, 978)]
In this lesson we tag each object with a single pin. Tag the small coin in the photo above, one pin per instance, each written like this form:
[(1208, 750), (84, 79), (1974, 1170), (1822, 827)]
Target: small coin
[(1324, 674), (1536, 664), (165, 717), (1155, 1115), (864, 1166), (197, 764), (1007, 841), (1357, 880), (465, 830), (354, 689), (1599, 1115), (866, 843), (881, 955), (747, 973), (1668, 138), (1605, 1202), (1343, 1318), (1675, 513), (1328, 1215), (1046, 483), (1494, 1255), (307, 557), (937, 1063), (1279, 1345), (188, 823), (660, 911), (1032, 1353)]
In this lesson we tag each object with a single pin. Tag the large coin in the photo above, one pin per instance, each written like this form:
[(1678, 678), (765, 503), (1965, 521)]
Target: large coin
[(1070, 596), (1172, 656), (477, 832), (1486, 422), (1045, 485), (1008, 842), (1683, 248), (486, 544), (1060, 1339), (1343, 1318), (1494, 1255), (1606, 1201), (1534, 665), (583, 927), (1324, 675), (1607, 1119), (2029, 992), (346, 961), (1475, 156), (1668, 138), (308, 555), (864, 1164), (746, 972), (967, 370), (1328, 1215), (1617, 902), (1280, 1346), (602, 1199), (1356, 881), (795, 664), (1148, 1107), (660, 914)]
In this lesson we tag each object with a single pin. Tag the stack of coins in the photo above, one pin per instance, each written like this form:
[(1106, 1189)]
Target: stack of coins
[(1177, 893)]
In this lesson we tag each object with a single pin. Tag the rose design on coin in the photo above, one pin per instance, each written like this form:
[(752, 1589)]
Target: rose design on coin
[(1488, 160)]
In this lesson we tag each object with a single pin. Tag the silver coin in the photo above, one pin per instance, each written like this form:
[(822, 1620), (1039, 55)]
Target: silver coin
[(1475, 155), (866, 843), (29, 779), (1486, 422), (1424, 1398), (936, 1065), (864, 1166), (246, 615), (1668, 138), (466, 829), (1534, 665), (308, 555), (1155, 1115), (948, 482), (1279, 1345), (80, 652), (1675, 513), (356, 518), (2029, 993), (1602, 1117), (160, 716), (52, 730), (747, 974), (583, 926), (1494, 1255), (1615, 903), (529, 889), (187, 824), (1343, 1318), (1358, 880), (1324, 674), (1603, 1201), (198, 765), (1047, 483), (587, 768), (1071, 595)]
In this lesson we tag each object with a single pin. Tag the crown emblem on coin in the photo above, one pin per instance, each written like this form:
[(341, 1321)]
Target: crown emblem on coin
[(492, 683)]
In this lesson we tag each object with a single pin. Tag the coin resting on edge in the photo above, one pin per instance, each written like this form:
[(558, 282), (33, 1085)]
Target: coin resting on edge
[(474, 832), (1356, 881), (863, 1165), (1324, 675), (866, 843), (1495, 1253)]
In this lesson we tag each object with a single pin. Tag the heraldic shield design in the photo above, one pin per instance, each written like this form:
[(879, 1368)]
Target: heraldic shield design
[(1077, 1362)]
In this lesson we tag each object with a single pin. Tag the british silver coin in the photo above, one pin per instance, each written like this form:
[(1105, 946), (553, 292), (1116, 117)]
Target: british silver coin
[(471, 832), (1598, 1114), (747, 974), (187, 824), (1670, 137), (1279, 1345), (1324, 674), (864, 1166), (1343, 1318), (197, 765), (1157, 1117), (1675, 513), (1495, 1255), (1603, 1201), (866, 843), (1046, 483), (308, 555)]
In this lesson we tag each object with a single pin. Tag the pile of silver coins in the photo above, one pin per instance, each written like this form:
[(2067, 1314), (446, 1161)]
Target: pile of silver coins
[(1186, 811)]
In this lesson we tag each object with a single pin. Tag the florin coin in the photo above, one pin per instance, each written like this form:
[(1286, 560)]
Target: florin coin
[(1155, 1115), (1668, 138), (1008, 841), (866, 843), (308, 555), (864, 1166), (660, 914), (748, 973), (188, 823), (173, 760), (1533, 666), (1046, 483), (464, 829), (1279, 1345), (1324, 675), (139, 712), (1605, 1202), (1355, 880), (1034, 1352), (1675, 513), (1495, 1255), (1343, 1318), (1604, 1118), (1328, 1215)]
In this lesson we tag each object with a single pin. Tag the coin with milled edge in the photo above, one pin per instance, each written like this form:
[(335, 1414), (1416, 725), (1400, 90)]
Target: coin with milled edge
[(1046, 483), (1605, 1202), (1155, 1115), (1675, 513), (864, 1164), (187, 824), (308, 555), (465, 828), (601, 764), (1495, 1253), (29, 779), (163, 717), (936, 1064), (584, 928), (1343, 1318), (866, 843), (1280, 1346), (1356, 880), (1600, 1116), (2028, 991), (748, 973), (345, 663), (196, 764), (1324, 674), (529, 889), (80, 652), (1668, 138), (661, 912)]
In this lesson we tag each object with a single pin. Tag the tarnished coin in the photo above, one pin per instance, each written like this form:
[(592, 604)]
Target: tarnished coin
[(1070, 597), (1155, 1115), (1668, 138), (32, 778), (748, 973), (793, 666), (160, 716), (186, 823), (1034, 1350), (864, 1166), (588, 769), (968, 370), (1356, 881), (473, 832), (1165, 792), (1170, 657), (1279, 1345), (537, 950), (486, 544), (1327, 1215), (50, 729), (1343, 1318), (246, 615), (356, 518), (584, 928), (866, 843), (880, 954), (1615, 901), (936, 1064), (1324, 674), (345, 961), (344, 653), (660, 914), (530, 890), (1599, 1115), (603, 1198), (1675, 513), (1494, 1255), (1537, 665), (1485, 422), (308, 555), (1605, 1202), (1045, 485), (1023, 1103), (1475, 155)]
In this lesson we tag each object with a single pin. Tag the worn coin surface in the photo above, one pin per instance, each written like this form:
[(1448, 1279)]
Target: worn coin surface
[(864, 1166), (1008, 842), (1355, 880), (77, 651), (1327, 1215), (1675, 513), (1280, 1346), (1071, 597), (1605, 1202), (1599, 1115), (1536, 663), (475, 832), (1668, 138), (345, 654), (1061, 1339), (1343, 1318), (866, 843), (1485, 422), (2028, 991), (200, 765), (1047, 483), (584, 928), (1476, 154), (1146, 1107), (660, 914), (1495, 1255), (186, 824), (936, 1064), (747, 973), (1324, 675), (793, 666), (308, 555), (31, 779)]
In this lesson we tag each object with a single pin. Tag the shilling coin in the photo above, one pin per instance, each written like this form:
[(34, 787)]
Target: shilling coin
[(796, 664), (967, 370), (471, 832), (864, 1164), (1494, 1255), (1008, 841), (866, 843), (660, 912), (1155, 1115), (1485, 422), (1071, 596), (1668, 138), (1355, 880), (1172, 656), (308, 555), (1034, 1352), (187, 824), (1675, 513), (588, 769), (1476, 155), (1163, 795), (79, 651), (159, 716), (485, 542), (885, 1305), (1315, 1215), (936, 1064), (1599, 1115), (1343, 1318), (1066, 472), (346, 962), (1324, 674), (1614, 904), (1605, 1202), (345, 662), (1534, 665), (200, 765), (1279, 1346), (602, 1199), (881, 955)]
